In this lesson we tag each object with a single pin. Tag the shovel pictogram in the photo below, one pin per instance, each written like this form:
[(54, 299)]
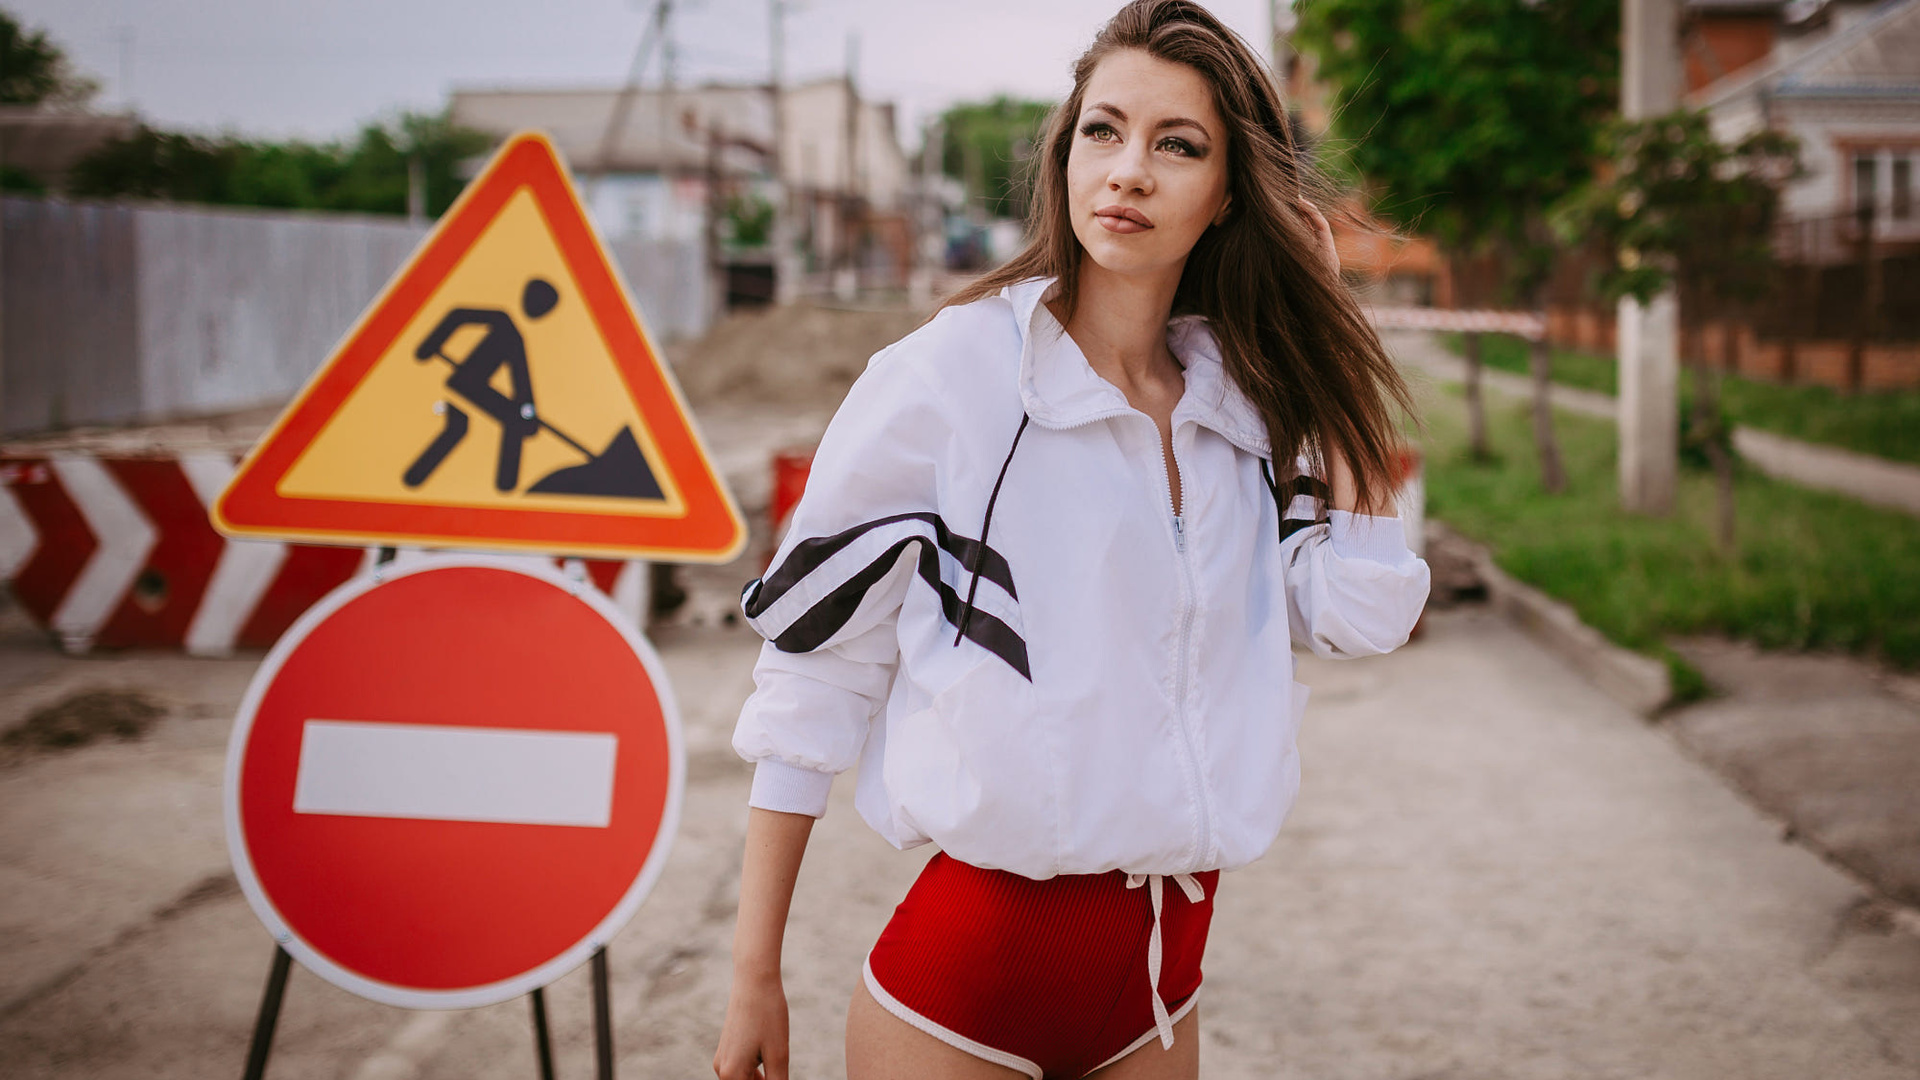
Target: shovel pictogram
[(618, 471)]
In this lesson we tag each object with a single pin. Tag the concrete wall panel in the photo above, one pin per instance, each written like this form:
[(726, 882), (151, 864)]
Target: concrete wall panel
[(68, 325), (116, 314), (239, 309)]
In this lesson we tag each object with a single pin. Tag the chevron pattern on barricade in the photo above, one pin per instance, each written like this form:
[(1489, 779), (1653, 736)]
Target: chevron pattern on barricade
[(1526, 324), (117, 552)]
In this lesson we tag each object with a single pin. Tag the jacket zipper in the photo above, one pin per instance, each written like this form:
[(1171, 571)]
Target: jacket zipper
[(1189, 602)]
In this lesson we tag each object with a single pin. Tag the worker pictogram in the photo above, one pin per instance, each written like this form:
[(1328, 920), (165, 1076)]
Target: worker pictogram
[(501, 393), (620, 471)]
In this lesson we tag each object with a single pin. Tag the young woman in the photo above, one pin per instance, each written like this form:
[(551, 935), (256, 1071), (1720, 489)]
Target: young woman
[(1044, 582)]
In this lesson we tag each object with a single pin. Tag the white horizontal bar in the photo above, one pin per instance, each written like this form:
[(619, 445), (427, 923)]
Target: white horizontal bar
[(366, 769)]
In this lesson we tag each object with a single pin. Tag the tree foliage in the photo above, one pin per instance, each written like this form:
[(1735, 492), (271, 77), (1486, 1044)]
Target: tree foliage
[(985, 145), (1685, 209), (35, 71), (1465, 118), (368, 174)]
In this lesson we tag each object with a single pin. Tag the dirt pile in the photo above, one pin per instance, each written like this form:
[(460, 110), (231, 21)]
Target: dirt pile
[(81, 718), (802, 356)]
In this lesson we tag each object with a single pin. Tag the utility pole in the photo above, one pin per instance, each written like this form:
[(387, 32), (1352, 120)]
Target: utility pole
[(1648, 335), (929, 234), (847, 280), (623, 104), (716, 205), (667, 59), (786, 266), (125, 35)]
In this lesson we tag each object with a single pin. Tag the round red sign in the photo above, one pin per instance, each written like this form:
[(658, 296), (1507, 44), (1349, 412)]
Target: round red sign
[(447, 786)]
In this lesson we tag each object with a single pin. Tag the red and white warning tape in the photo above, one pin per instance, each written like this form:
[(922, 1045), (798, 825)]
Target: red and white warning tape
[(117, 552), (1523, 323)]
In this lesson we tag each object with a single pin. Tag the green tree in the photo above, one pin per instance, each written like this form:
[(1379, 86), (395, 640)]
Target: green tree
[(1685, 209), (985, 145), (35, 71), (1465, 120), (368, 175)]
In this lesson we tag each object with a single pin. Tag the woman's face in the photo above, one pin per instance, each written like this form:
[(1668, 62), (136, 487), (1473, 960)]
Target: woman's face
[(1147, 172)]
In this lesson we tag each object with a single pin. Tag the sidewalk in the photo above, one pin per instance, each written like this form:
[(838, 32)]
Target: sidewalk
[(1861, 476), (1493, 872)]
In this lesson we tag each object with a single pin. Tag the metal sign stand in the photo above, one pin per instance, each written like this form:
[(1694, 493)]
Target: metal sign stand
[(276, 991)]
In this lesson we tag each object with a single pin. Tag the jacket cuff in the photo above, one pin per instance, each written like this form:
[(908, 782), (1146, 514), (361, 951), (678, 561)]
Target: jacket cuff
[(789, 789), (1363, 536)]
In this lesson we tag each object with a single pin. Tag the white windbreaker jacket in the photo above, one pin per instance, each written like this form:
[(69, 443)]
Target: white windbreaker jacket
[(1115, 690)]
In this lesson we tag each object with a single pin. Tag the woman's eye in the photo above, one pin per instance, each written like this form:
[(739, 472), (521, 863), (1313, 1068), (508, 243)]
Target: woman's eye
[(1179, 146), (1099, 132)]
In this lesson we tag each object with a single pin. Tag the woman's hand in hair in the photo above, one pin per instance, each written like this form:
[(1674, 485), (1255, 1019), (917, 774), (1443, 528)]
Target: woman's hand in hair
[(1324, 232)]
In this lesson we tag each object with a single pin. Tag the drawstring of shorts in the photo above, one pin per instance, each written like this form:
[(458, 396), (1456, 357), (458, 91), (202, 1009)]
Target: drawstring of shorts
[(980, 553), (1195, 894)]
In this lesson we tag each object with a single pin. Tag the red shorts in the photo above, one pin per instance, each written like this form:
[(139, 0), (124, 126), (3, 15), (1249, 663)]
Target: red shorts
[(1047, 977)]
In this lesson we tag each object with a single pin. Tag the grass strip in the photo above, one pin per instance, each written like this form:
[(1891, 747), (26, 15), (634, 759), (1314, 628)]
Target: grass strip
[(1882, 423), (1809, 570)]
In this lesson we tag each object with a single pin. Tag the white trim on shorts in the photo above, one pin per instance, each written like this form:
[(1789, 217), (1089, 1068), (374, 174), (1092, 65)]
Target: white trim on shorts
[(982, 1050), (1153, 1033)]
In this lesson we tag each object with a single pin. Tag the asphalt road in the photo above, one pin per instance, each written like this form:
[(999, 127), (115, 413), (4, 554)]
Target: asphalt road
[(1493, 872)]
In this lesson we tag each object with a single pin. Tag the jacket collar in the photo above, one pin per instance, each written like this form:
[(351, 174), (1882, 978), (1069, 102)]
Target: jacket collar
[(1060, 389)]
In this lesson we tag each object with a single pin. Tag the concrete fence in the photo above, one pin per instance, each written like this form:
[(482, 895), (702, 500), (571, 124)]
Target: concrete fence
[(113, 313)]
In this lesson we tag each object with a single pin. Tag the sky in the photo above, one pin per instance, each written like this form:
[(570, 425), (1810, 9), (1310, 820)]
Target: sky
[(297, 68)]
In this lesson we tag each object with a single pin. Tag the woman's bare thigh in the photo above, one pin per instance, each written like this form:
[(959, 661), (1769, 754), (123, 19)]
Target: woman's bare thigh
[(881, 1046)]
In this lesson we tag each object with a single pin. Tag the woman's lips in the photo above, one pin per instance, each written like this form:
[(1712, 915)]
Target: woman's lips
[(1123, 219)]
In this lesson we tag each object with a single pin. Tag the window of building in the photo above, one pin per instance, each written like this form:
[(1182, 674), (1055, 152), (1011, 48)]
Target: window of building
[(1865, 171), (1903, 188), (636, 223)]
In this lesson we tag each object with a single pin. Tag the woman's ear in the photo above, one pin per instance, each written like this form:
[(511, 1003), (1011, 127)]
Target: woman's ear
[(1226, 207)]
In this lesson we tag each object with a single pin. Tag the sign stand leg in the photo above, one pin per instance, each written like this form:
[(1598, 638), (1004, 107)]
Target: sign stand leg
[(602, 1016), (543, 1045), (269, 1015)]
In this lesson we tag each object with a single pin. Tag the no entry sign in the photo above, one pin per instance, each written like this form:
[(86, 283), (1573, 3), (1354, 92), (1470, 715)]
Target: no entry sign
[(448, 787)]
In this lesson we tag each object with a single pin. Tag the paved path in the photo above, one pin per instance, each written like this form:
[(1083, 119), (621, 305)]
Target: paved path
[(1870, 479), (1493, 872)]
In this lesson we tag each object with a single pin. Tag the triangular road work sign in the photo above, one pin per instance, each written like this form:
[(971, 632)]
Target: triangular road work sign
[(499, 394)]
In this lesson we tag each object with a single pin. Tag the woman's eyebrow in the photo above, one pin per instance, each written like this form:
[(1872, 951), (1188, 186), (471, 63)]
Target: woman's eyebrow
[(1181, 121), (1170, 122)]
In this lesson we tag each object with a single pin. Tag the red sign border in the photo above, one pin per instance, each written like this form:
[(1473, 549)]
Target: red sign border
[(710, 529), (506, 989)]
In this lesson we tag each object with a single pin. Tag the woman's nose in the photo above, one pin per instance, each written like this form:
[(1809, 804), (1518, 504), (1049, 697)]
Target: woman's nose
[(1130, 172)]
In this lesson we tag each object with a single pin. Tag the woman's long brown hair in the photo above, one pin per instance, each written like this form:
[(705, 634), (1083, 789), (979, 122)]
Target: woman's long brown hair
[(1292, 335)]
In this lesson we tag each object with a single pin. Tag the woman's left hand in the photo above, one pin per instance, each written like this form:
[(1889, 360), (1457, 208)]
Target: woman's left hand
[(1324, 232)]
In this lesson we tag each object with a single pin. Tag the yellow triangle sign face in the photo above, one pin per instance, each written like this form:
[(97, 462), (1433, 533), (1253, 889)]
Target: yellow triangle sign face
[(501, 393)]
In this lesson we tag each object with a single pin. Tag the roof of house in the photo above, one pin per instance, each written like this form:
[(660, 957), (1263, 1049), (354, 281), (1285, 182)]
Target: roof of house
[(1876, 57), (601, 129)]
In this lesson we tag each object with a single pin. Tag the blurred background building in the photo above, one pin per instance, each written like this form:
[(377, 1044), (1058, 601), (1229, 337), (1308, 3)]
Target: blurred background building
[(698, 164)]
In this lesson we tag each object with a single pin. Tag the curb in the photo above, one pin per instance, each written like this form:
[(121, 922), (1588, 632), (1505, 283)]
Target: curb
[(1638, 682)]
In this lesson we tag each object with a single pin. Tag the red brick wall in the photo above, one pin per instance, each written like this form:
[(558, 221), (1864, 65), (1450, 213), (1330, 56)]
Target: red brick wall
[(1886, 365)]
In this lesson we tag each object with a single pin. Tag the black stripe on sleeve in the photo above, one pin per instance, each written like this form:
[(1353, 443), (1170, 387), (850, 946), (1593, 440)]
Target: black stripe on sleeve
[(825, 618), (809, 554)]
